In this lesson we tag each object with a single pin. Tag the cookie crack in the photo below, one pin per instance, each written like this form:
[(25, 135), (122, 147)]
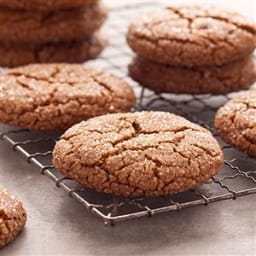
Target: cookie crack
[(182, 16), (3, 215), (138, 131), (123, 149), (157, 165), (247, 138), (4, 220), (105, 86), (248, 105), (156, 170), (56, 105), (240, 111), (245, 28), (155, 41), (53, 75), (120, 144), (24, 85), (205, 150), (190, 22)]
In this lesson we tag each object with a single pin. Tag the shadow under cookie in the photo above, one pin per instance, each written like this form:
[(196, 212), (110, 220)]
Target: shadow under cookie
[(199, 80)]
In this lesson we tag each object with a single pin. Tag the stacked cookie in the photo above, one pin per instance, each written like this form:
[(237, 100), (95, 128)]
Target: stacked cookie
[(50, 31), (193, 49)]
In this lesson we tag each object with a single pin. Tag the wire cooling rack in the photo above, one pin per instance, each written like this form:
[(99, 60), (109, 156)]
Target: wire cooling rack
[(237, 177)]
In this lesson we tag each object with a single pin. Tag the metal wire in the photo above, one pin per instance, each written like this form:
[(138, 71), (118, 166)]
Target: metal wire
[(236, 179)]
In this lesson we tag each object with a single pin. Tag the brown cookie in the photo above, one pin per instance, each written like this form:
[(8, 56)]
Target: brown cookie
[(236, 122), (45, 5), (12, 217), (40, 27), (56, 96), (13, 55), (137, 154), (215, 80), (192, 35)]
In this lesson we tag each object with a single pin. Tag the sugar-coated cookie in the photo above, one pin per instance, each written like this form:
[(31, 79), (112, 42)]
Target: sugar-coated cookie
[(12, 217), (236, 122), (138, 154), (56, 96), (192, 35)]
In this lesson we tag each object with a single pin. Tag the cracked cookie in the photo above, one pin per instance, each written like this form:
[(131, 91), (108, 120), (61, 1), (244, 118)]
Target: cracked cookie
[(56, 96), (160, 78), (12, 217), (192, 35), (40, 27), (45, 5), (13, 55), (236, 122), (138, 154)]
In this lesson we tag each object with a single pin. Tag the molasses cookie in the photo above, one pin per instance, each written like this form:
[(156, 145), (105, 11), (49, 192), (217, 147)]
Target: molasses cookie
[(12, 217), (13, 55), (236, 122), (229, 77), (192, 35), (40, 27), (45, 5), (56, 96), (138, 154)]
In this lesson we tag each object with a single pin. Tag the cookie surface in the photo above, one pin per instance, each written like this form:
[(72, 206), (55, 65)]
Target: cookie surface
[(214, 80), (12, 217), (55, 96), (45, 5), (39, 27), (236, 122), (137, 154), (192, 35), (13, 55)]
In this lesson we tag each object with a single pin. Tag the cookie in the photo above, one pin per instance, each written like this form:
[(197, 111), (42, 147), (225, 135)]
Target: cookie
[(13, 55), (215, 80), (192, 35), (236, 122), (45, 5), (40, 27), (138, 154), (12, 217), (56, 96)]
